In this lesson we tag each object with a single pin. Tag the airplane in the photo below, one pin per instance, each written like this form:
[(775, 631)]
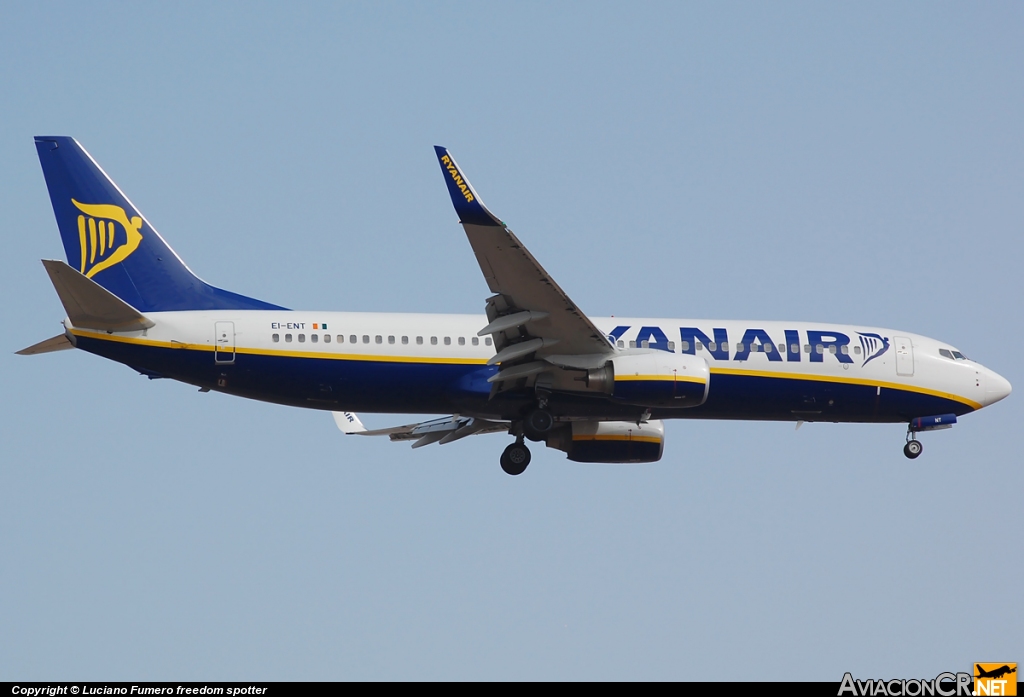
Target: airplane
[(534, 367), (996, 672)]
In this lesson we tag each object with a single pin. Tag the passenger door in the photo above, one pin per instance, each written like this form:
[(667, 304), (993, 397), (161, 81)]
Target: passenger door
[(904, 356), (224, 343)]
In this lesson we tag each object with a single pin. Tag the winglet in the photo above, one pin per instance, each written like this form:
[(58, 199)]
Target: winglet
[(468, 205), (348, 422)]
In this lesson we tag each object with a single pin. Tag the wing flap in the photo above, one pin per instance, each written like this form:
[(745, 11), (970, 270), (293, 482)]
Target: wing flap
[(444, 430)]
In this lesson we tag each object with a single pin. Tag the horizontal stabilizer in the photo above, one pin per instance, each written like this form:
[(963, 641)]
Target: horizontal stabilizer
[(57, 343), (348, 422), (89, 304)]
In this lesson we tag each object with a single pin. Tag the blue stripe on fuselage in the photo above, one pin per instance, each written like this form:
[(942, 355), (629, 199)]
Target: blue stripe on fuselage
[(418, 387)]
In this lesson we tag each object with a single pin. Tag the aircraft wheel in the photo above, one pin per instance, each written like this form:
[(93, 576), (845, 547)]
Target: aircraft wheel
[(912, 449), (537, 424), (515, 459)]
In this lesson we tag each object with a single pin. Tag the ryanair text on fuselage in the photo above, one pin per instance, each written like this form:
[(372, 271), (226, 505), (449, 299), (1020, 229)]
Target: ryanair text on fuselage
[(814, 343)]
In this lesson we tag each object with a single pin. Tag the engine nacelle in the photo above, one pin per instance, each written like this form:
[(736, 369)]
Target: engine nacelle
[(654, 379), (613, 442)]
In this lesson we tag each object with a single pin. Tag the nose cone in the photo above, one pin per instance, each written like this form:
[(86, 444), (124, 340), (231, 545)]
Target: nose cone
[(996, 387)]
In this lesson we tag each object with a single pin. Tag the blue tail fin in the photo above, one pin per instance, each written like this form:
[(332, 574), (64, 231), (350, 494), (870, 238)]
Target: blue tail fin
[(108, 240)]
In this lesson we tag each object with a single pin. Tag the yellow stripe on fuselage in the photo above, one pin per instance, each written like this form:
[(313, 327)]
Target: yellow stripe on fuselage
[(140, 341), (846, 381)]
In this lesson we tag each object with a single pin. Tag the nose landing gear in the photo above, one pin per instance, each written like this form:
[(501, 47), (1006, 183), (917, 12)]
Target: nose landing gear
[(925, 423), (913, 447)]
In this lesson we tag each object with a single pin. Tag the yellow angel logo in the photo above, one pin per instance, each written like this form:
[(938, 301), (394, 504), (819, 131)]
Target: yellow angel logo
[(101, 244)]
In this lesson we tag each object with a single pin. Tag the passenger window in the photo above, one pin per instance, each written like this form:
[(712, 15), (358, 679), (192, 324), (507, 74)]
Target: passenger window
[(488, 341), (699, 346), (645, 344), (845, 350), (302, 338), (378, 339), (352, 339), (672, 346), (405, 340), (794, 348), (327, 338), (712, 346), (391, 339), (782, 348), (314, 338), (807, 348), (277, 337), (832, 349), (768, 348), (433, 341), (632, 344), (685, 345), (462, 341), (447, 341), (739, 347), (856, 349), (419, 340), (366, 338), (475, 340), (820, 349), (341, 338), (288, 337), (622, 344)]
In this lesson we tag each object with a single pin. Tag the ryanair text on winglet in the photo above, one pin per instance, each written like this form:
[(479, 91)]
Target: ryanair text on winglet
[(457, 178), (944, 685)]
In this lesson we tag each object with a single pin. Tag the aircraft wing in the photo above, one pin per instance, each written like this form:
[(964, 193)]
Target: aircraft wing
[(444, 430), (530, 316)]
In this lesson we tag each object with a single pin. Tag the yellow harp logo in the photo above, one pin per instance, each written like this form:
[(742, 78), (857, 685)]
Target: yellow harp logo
[(101, 242)]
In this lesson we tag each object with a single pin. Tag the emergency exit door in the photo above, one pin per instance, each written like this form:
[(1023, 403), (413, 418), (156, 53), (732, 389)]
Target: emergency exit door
[(224, 342)]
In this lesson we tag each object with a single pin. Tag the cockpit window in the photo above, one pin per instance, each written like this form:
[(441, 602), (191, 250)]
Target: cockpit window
[(959, 356), (955, 355), (946, 353)]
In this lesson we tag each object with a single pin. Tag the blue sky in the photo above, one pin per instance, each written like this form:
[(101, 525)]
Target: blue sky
[(842, 163)]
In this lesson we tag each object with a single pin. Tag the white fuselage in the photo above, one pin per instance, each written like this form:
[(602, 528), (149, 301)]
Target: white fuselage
[(830, 354)]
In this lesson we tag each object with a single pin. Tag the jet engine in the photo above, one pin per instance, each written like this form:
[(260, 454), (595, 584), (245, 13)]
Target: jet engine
[(614, 442), (654, 379)]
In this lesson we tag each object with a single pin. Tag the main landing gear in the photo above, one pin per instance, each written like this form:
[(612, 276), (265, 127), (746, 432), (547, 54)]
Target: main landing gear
[(516, 458), (538, 424), (535, 426)]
